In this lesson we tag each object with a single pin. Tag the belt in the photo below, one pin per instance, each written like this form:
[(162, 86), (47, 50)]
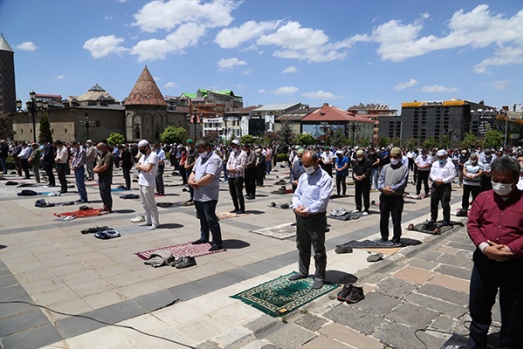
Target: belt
[(319, 214)]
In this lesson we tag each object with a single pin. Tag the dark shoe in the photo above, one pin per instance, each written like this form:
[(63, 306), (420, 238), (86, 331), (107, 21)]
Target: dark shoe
[(186, 262), (462, 213), (215, 248), (234, 211), (317, 284), (430, 225), (197, 242), (94, 230), (344, 293), (355, 295), (375, 257), (343, 249), (382, 239), (298, 276), (63, 191)]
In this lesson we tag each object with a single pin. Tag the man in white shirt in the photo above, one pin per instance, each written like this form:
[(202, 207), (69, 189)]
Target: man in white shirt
[(442, 173), (327, 160), (61, 161), (423, 163), (160, 189), (148, 167), (24, 156)]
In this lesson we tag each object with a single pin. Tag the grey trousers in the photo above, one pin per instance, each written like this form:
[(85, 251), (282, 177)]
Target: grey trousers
[(90, 172), (310, 231), (149, 205)]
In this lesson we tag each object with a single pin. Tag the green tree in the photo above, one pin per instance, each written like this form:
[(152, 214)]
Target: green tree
[(430, 142), (173, 134), (469, 140), (444, 141), (493, 139), (248, 139), (338, 139), (286, 136), (6, 126), (396, 141), (45, 129), (271, 137), (384, 141), (304, 139), (363, 142), (115, 138), (410, 143)]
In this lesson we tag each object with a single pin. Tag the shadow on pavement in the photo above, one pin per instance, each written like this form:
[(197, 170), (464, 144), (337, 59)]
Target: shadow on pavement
[(339, 277), (171, 226), (124, 211), (233, 244)]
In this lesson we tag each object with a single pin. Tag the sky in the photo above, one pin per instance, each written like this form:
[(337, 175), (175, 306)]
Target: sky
[(341, 52)]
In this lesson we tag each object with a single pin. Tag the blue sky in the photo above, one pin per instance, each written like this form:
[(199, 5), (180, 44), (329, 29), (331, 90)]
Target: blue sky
[(342, 52)]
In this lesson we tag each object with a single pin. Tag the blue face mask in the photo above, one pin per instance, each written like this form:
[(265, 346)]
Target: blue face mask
[(442, 162)]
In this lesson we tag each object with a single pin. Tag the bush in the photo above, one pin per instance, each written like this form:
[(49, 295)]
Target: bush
[(281, 157)]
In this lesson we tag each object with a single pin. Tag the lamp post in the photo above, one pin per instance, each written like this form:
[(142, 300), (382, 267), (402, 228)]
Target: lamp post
[(195, 120), (34, 106), (325, 127), (87, 124), (355, 127)]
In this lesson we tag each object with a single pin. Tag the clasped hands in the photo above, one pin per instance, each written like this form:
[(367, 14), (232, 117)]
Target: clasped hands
[(498, 252), (301, 211), (388, 190)]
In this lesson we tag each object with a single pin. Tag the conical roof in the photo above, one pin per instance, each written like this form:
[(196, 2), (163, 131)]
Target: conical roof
[(4, 46), (145, 92)]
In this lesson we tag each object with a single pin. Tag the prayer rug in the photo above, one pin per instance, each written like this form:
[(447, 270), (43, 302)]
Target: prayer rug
[(377, 244), (183, 250), (82, 213), (281, 296), (226, 215), (437, 229), (281, 231)]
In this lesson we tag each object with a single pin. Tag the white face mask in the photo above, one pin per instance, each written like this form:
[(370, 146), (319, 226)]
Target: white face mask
[(502, 189), (203, 155), (394, 161), (310, 170)]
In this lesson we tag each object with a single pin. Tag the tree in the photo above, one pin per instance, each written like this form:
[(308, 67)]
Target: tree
[(444, 141), (115, 138), (271, 137), (338, 139), (248, 139), (45, 130), (363, 142), (286, 136), (173, 134), (469, 140), (396, 141), (384, 141), (6, 126), (493, 139), (304, 139), (410, 143), (430, 143)]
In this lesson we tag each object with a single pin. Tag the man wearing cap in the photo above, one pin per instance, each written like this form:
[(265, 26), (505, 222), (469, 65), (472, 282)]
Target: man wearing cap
[(104, 169), (90, 159), (236, 168), (442, 173), (192, 155), (61, 160), (127, 163), (374, 158), (250, 172), (297, 169), (362, 169), (77, 166), (392, 182), (309, 203), (147, 168), (423, 163), (341, 165), (327, 159), (463, 158)]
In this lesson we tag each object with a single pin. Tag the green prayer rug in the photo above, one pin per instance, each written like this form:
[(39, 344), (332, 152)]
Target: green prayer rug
[(281, 296)]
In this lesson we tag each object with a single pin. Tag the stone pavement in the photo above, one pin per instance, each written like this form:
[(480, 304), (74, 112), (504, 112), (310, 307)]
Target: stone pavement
[(415, 298)]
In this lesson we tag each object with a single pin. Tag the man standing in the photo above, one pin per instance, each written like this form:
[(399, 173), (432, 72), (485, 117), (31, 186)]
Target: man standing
[(309, 203), (192, 154), (61, 161), (148, 167), (77, 165), (205, 180), (17, 148), (485, 160), (4, 153), (268, 159), (250, 172), (392, 182), (127, 163), (90, 159), (464, 157), (24, 159), (472, 171), (48, 158), (297, 169), (104, 169), (236, 168), (494, 225), (361, 175), (341, 164), (34, 160), (423, 162), (327, 158), (442, 173), (374, 158), (160, 153)]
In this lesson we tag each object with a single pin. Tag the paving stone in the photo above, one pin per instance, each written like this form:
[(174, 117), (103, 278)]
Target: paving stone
[(263, 325), (239, 274), (11, 309), (8, 280), (121, 311), (453, 260), (412, 315), (208, 345), (452, 283), (256, 344), (462, 245), (269, 346), (422, 264), (436, 304), (444, 293), (236, 338), (324, 342), (428, 255), (22, 322), (395, 288), (310, 322), (12, 292), (401, 336), (354, 318), (376, 303), (74, 326), (462, 273), (414, 275), (155, 300), (189, 290), (34, 338), (465, 254), (444, 323), (350, 336), (290, 336)]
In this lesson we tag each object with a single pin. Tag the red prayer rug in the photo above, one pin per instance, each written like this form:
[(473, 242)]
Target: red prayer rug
[(82, 213), (187, 249)]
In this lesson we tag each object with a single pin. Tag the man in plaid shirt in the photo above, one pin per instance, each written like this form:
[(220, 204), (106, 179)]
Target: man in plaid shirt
[(236, 168)]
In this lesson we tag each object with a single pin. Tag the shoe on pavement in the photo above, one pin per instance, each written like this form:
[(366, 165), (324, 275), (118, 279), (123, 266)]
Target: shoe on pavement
[(153, 227), (374, 257), (356, 211), (381, 240), (186, 262), (215, 248), (355, 295), (138, 219), (343, 249), (365, 213), (344, 293), (298, 276), (145, 225), (94, 230), (107, 234)]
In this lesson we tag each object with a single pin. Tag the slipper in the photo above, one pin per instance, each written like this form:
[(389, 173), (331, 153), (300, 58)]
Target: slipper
[(107, 234), (375, 257), (410, 227), (272, 204), (343, 249), (94, 229)]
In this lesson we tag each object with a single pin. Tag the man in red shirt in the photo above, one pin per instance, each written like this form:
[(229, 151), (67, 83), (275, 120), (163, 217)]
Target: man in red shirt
[(495, 225)]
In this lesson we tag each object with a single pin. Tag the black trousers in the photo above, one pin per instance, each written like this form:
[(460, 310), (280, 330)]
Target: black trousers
[(423, 176), (437, 195), (61, 170), (486, 183), (391, 205), (487, 277), (310, 231), (104, 184), (160, 188), (363, 189), (250, 181), (48, 168), (327, 168), (236, 191), (24, 163), (467, 190), (340, 183), (127, 176)]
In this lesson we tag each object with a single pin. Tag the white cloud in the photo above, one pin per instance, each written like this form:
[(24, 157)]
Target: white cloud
[(438, 89), (230, 63), (27, 46), (500, 84), (289, 70), (261, 90), (247, 72), (171, 84), (104, 46), (160, 15), (502, 56), (109, 18), (59, 77), (404, 85), (233, 37), (320, 94), (157, 78), (285, 90)]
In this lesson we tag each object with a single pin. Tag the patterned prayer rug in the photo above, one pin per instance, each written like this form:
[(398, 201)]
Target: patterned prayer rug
[(281, 231), (182, 250), (281, 296)]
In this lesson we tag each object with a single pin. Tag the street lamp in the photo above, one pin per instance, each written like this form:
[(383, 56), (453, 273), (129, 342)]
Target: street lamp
[(355, 127), (87, 124), (325, 127), (195, 120), (34, 107)]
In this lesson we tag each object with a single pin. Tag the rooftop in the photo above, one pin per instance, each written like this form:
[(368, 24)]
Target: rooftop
[(145, 91), (4, 46)]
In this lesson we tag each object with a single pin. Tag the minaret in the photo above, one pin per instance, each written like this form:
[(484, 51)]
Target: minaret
[(7, 78)]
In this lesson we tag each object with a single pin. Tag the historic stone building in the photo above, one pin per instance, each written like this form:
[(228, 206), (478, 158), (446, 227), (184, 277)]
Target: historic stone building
[(7, 85)]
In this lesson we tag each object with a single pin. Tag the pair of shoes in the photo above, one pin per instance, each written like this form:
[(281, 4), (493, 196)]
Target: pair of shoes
[(298, 276), (153, 227), (94, 229), (81, 202), (356, 211), (249, 197), (318, 283), (343, 295), (138, 219), (350, 294), (215, 248), (63, 191), (184, 262), (198, 242), (343, 249), (374, 257)]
